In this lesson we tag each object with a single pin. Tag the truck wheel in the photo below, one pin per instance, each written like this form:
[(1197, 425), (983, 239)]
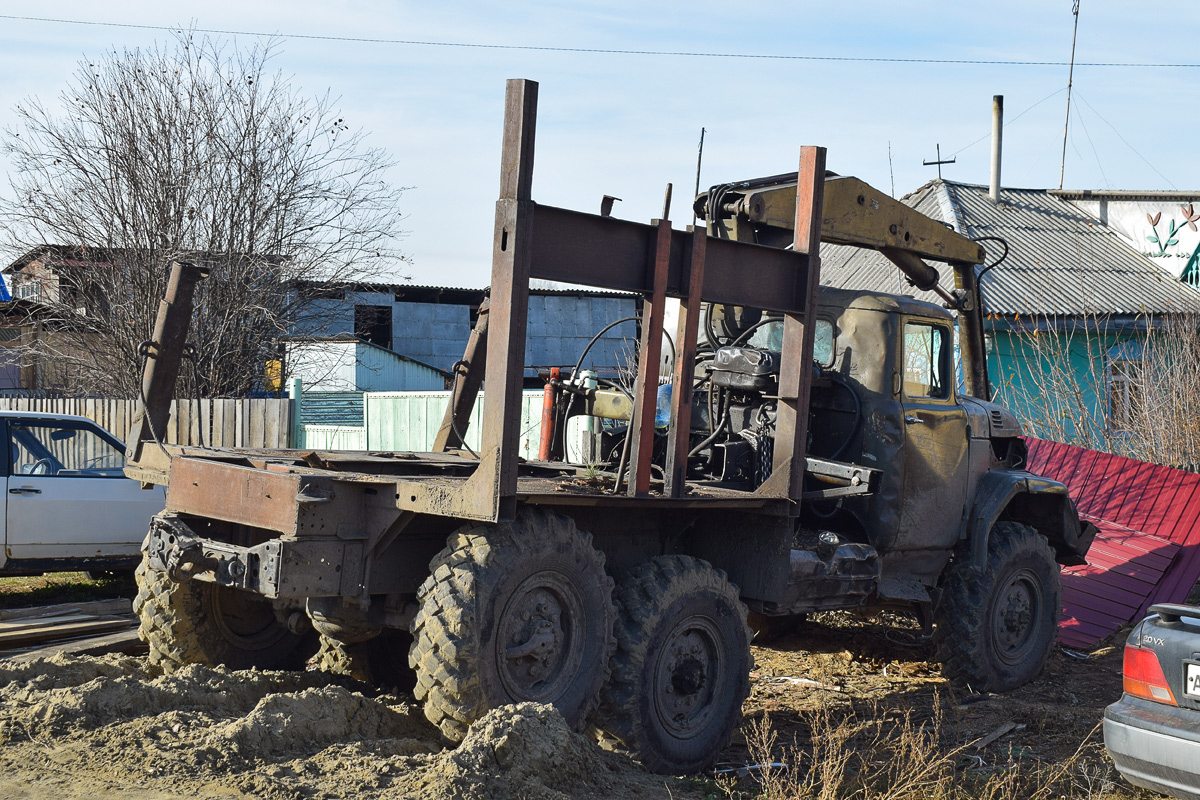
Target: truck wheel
[(380, 661), (513, 612), (195, 622), (682, 665), (995, 628)]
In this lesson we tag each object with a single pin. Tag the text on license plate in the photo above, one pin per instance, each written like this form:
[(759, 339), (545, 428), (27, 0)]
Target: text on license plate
[(1191, 680)]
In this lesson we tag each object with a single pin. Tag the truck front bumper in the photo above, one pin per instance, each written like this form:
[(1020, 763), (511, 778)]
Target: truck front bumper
[(281, 568)]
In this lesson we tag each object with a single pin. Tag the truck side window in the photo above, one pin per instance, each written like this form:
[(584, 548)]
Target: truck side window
[(926, 372)]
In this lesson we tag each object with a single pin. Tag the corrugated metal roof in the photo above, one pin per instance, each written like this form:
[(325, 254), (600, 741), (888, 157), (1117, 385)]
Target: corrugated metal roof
[(350, 337), (1061, 260), (536, 286)]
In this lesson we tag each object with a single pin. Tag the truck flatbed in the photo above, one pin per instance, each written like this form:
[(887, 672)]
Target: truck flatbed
[(538, 482)]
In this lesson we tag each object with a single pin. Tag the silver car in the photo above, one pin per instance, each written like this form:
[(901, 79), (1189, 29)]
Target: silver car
[(1153, 731), (69, 505)]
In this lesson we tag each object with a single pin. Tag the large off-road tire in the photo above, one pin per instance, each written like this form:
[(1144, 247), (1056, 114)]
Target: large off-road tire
[(512, 612), (195, 622), (682, 665), (380, 661), (995, 628)]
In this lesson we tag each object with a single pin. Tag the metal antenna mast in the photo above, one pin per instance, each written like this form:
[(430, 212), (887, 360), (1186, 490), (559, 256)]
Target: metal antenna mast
[(891, 171), (938, 162), (1070, 77)]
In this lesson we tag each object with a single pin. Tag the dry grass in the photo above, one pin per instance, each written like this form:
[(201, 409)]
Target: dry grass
[(60, 587), (877, 756)]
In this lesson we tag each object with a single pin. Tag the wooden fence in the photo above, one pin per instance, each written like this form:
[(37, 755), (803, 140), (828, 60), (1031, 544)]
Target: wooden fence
[(217, 422)]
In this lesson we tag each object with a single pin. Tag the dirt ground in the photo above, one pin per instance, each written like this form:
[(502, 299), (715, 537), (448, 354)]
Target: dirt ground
[(117, 727)]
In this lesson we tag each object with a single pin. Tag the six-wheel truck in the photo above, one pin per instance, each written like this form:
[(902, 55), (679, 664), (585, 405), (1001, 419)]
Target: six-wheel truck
[(814, 452)]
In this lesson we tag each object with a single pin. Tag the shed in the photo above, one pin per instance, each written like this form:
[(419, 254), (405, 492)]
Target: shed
[(345, 363)]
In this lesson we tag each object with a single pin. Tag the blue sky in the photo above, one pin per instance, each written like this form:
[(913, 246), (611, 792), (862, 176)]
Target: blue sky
[(626, 125)]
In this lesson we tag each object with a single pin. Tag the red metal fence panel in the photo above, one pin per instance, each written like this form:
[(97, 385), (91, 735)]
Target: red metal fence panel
[(1146, 549)]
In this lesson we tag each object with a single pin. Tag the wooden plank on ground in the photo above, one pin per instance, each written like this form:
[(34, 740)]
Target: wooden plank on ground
[(97, 607), (43, 622), (121, 642), (51, 632)]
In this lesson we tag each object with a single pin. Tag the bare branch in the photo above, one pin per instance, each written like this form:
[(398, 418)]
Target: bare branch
[(186, 151)]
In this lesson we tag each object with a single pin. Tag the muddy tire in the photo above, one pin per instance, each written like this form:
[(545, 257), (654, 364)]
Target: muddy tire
[(195, 622), (380, 661), (995, 628), (682, 665), (512, 612)]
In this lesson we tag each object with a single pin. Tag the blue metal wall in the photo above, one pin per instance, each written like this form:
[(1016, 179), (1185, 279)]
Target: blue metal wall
[(559, 327)]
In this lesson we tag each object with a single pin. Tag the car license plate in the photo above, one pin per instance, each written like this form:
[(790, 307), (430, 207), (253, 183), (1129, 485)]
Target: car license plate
[(1191, 679)]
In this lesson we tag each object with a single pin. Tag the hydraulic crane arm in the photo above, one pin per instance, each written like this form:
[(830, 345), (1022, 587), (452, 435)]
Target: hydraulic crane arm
[(855, 214)]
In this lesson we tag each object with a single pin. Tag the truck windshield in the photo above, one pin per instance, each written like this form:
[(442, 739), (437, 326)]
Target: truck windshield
[(770, 337)]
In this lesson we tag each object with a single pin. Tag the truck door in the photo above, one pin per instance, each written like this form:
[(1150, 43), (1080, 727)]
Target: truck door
[(935, 442), (68, 496)]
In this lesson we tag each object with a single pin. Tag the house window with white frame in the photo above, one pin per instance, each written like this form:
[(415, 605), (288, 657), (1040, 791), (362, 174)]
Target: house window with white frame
[(1125, 377)]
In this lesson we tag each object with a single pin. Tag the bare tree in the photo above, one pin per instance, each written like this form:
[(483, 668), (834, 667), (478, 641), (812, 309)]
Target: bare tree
[(189, 151), (1130, 391), (1054, 377)]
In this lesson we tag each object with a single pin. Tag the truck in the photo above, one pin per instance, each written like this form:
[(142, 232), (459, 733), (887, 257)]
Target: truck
[(812, 451)]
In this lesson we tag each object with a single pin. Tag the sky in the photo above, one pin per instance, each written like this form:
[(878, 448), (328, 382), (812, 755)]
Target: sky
[(628, 124)]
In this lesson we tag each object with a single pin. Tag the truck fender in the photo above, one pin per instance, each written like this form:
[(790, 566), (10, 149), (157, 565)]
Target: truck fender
[(1042, 503)]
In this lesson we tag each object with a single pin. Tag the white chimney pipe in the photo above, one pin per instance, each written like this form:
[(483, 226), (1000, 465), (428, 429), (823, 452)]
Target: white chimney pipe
[(997, 137)]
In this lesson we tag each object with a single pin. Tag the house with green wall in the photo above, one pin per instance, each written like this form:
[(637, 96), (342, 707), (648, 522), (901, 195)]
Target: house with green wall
[(1074, 307)]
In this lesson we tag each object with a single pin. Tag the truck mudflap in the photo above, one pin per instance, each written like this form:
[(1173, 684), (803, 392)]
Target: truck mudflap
[(1040, 502), (280, 568)]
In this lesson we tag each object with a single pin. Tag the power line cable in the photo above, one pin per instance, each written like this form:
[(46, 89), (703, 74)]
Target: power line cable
[(1095, 153), (1083, 100), (611, 51), (1011, 121)]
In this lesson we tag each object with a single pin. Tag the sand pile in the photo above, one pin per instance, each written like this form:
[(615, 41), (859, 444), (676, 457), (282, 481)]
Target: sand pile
[(118, 725)]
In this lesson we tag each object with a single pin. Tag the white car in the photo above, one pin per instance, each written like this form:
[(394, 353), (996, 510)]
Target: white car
[(69, 505)]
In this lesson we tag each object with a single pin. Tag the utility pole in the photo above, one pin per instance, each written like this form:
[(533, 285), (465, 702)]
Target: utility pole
[(699, 159)]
